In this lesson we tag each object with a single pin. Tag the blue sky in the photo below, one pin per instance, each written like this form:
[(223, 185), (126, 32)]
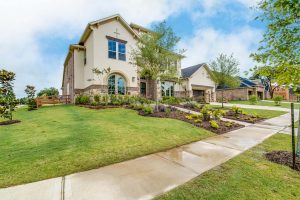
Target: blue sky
[(35, 37)]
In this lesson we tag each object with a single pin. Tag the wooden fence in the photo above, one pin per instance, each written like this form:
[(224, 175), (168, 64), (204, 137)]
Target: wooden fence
[(61, 99)]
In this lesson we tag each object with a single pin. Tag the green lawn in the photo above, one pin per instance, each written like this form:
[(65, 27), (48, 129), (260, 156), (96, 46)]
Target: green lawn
[(259, 112), (263, 113), (56, 141), (248, 176), (296, 124), (266, 103)]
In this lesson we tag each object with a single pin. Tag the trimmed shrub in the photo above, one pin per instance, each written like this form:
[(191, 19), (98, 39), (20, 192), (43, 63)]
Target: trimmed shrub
[(253, 99), (97, 98), (236, 110), (277, 100), (214, 124), (148, 110), (198, 121), (82, 100), (171, 100), (217, 114)]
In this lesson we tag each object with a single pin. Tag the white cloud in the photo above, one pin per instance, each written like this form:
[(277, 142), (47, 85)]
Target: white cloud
[(207, 43), (24, 22)]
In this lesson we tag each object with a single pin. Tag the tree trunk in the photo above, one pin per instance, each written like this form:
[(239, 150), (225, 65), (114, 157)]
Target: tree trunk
[(298, 142), (222, 97)]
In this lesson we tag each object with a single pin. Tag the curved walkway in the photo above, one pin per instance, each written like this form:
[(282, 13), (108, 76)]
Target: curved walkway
[(149, 176)]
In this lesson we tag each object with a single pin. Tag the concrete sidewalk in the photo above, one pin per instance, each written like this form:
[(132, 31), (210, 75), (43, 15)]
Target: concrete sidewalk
[(152, 175)]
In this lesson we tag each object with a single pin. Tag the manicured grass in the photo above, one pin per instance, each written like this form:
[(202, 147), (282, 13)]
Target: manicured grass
[(296, 124), (261, 113), (264, 113), (248, 176), (267, 103), (55, 141)]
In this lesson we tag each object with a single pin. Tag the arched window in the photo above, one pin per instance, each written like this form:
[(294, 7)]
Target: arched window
[(112, 84), (116, 84)]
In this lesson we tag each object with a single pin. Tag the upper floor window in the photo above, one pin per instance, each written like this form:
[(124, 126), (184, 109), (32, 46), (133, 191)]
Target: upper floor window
[(112, 49), (122, 51)]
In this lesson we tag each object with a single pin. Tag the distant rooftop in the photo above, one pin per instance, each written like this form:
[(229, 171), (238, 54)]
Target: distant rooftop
[(189, 71)]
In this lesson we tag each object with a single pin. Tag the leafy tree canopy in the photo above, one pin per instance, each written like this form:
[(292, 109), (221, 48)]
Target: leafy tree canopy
[(48, 92), (280, 47), (225, 71), (155, 53), (8, 100)]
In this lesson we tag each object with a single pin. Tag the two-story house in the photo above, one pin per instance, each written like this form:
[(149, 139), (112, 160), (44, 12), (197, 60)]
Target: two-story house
[(107, 43)]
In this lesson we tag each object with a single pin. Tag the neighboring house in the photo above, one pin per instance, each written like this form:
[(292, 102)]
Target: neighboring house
[(107, 43), (197, 83), (246, 89)]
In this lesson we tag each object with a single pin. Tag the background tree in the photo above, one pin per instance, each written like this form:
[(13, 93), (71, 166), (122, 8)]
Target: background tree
[(280, 47), (224, 71), (268, 75), (52, 91), (155, 54), (30, 91), (8, 100)]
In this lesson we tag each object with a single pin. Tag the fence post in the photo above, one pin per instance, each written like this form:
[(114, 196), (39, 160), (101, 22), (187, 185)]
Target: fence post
[(293, 136), (298, 136)]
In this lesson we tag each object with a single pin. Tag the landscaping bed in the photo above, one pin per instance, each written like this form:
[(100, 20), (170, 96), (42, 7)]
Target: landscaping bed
[(9, 122), (243, 117), (223, 127), (283, 158)]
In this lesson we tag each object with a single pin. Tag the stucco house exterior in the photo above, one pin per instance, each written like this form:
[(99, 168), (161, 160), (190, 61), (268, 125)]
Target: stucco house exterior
[(107, 43)]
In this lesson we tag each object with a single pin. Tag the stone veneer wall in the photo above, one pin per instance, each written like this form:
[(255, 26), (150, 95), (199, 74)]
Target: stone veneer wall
[(102, 90), (233, 94)]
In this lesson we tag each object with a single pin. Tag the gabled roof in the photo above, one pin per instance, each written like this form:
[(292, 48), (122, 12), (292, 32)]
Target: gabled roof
[(89, 26), (247, 83), (189, 71)]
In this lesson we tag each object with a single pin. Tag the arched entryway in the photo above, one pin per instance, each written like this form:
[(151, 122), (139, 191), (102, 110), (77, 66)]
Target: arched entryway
[(116, 84)]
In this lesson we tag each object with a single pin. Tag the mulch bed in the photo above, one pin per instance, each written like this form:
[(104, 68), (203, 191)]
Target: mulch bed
[(205, 124), (9, 122), (101, 106), (283, 158), (243, 117)]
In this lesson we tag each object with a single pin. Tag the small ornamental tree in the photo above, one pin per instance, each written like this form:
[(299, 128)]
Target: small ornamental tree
[(8, 100), (52, 91), (224, 71), (30, 91), (155, 55)]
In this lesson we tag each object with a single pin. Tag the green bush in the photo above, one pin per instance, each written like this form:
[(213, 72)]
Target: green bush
[(214, 124), (171, 100), (236, 110), (105, 100), (228, 124), (82, 99), (277, 100), (198, 121), (31, 104), (97, 98), (217, 114), (205, 111), (94, 103), (253, 99), (148, 110), (189, 117)]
